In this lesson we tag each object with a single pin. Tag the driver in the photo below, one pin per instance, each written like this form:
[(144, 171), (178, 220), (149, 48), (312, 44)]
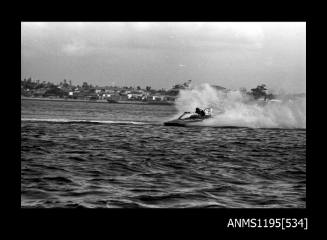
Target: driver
[(200, 112)]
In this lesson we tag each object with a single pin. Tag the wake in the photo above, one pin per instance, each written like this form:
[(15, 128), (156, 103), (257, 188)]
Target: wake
[(63, 120), (236, 109)]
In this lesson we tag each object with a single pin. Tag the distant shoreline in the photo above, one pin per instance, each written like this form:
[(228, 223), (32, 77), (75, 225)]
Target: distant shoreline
[(97, 101)]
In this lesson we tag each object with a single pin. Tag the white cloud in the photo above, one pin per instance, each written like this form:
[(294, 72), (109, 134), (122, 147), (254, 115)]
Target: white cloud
[(153, 35), (34, 25), (76, 48), (202, 35), (142, 26)]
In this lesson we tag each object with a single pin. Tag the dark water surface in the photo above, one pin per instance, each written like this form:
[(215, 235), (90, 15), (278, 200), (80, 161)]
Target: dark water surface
[(120, 155)]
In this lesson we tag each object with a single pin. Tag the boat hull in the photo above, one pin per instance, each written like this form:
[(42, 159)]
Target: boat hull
[(182, 123)]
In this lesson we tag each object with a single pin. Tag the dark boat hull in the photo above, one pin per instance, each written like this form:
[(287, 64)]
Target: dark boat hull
[(182, 123)]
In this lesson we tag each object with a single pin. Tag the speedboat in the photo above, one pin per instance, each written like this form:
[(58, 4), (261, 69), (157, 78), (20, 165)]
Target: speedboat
[(189, 118)]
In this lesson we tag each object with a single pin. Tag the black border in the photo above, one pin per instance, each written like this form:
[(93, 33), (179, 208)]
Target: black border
[(188, 220)]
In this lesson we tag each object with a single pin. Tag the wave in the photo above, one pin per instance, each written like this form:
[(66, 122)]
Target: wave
[(63, 120), (236, 109)]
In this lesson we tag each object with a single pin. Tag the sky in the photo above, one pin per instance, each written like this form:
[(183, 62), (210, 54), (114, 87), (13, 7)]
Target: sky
[(162, 54)]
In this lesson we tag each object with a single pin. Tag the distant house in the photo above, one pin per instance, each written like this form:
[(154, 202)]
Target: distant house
[(158, 98), (134, 96), (110, 91)]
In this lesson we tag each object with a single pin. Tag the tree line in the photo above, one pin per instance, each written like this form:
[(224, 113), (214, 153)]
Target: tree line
[(259, 92)]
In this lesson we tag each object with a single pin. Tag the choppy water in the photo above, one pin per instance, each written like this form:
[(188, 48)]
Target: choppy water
[(120, 155)]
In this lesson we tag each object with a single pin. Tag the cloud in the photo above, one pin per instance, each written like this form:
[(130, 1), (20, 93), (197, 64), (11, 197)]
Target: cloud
[(76, 48), (34, 25), (142, 26), (197, 36), (230, 52), (132, 35)]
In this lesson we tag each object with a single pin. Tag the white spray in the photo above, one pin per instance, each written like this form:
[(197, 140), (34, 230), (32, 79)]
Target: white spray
[(234, 109)]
